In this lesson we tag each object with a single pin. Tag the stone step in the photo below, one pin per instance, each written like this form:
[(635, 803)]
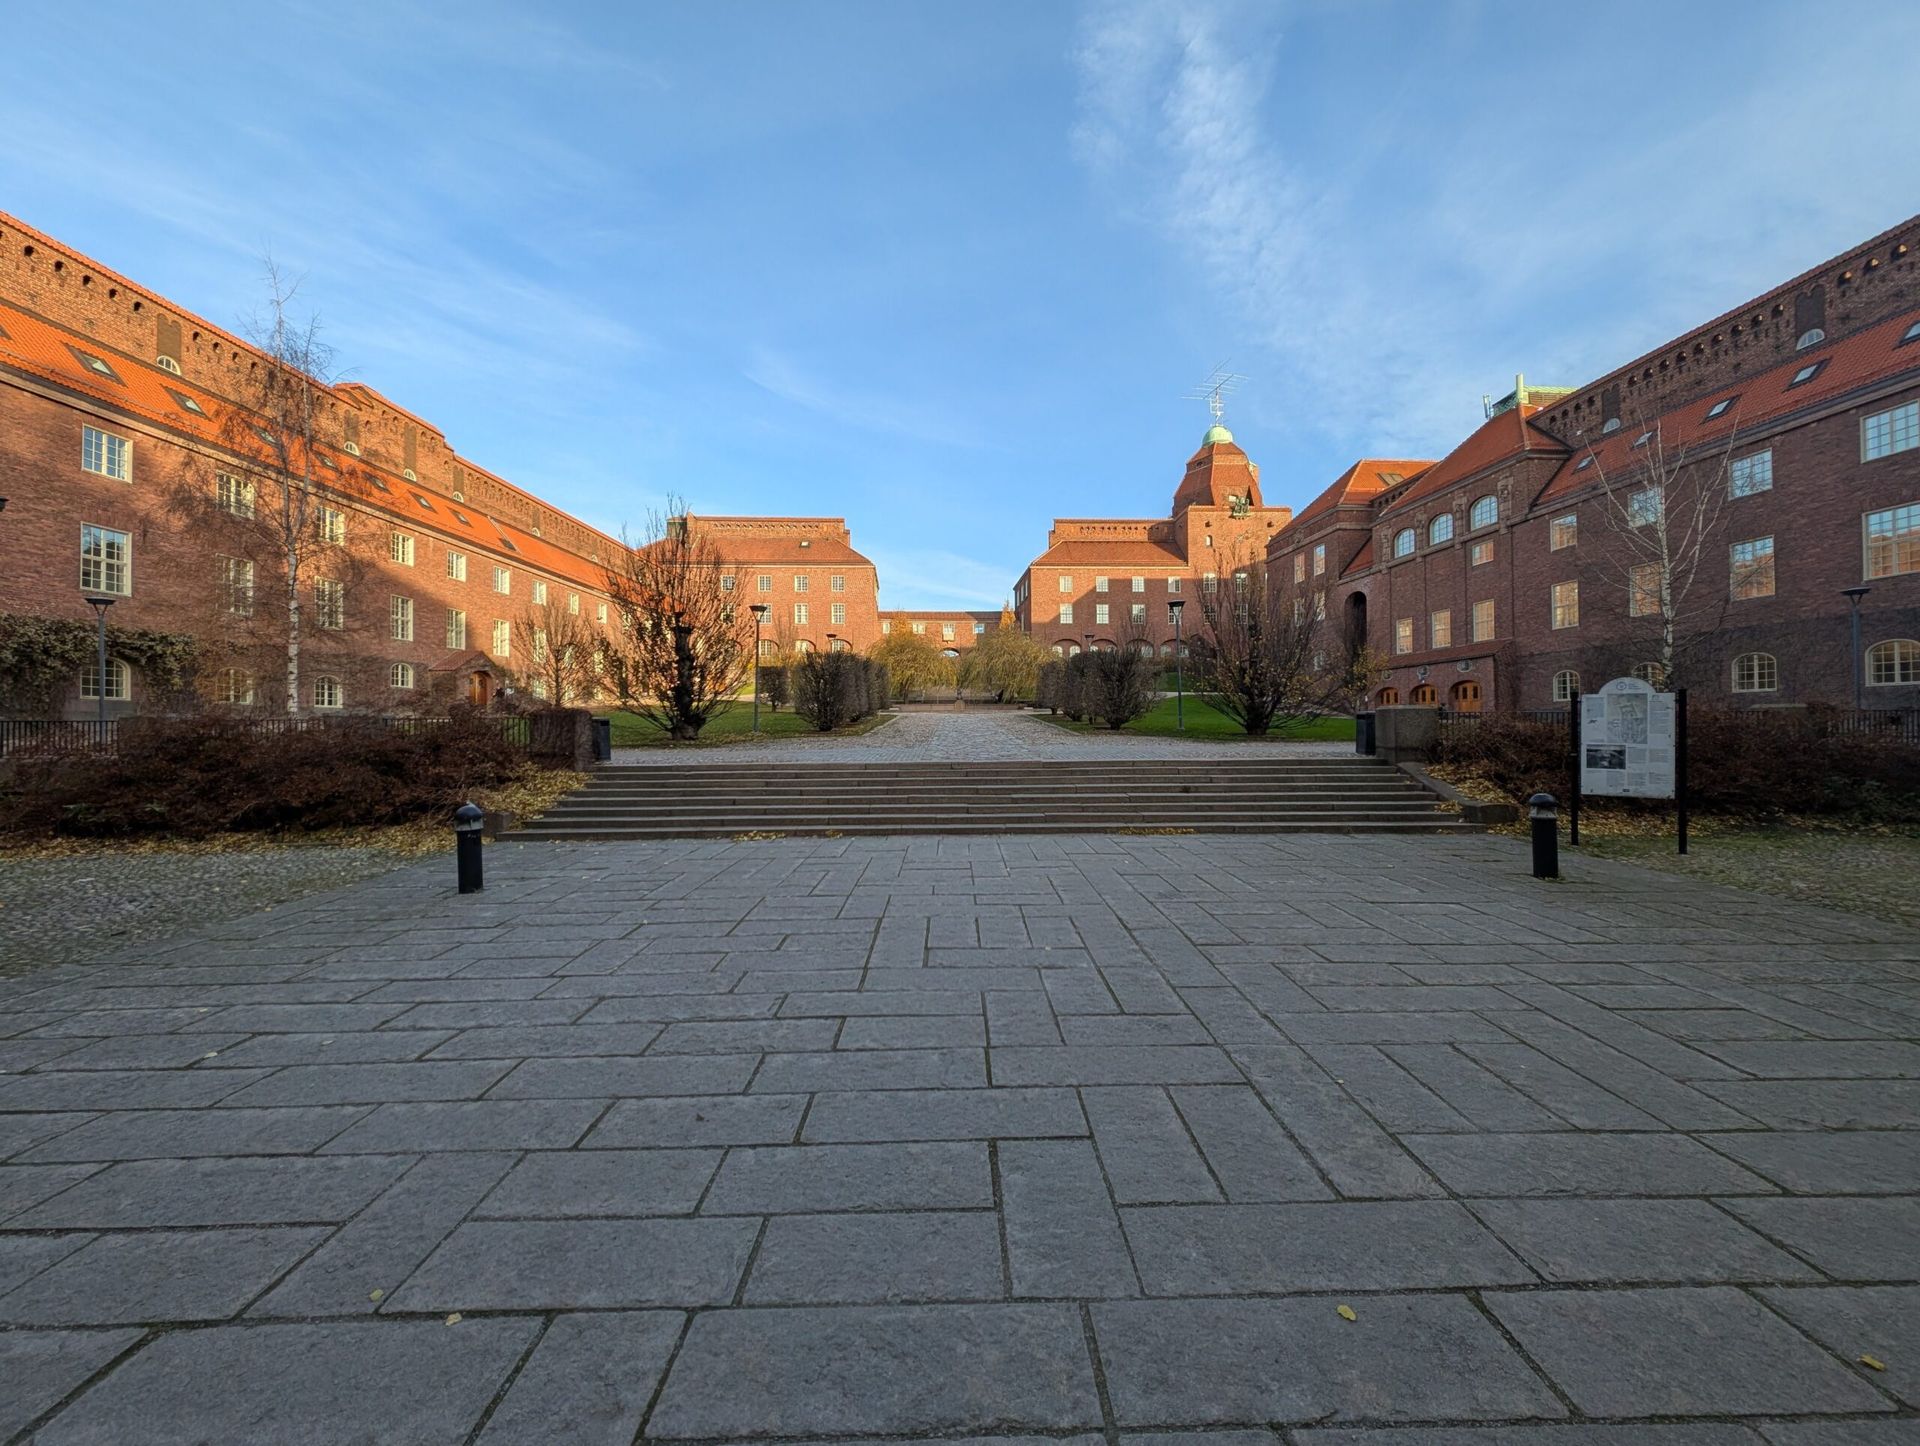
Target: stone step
[(542, 832)]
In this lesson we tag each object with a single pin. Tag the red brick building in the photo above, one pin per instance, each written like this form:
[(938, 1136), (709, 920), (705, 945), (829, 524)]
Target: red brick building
[(819, 593), (1776, 446), (952, 632), (1107, 583)]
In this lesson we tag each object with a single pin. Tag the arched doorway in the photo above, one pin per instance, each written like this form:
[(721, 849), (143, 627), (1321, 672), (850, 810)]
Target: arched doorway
[(480, 687), (1386, 698), (1426, 693), (1356, 620), (1466, 696)]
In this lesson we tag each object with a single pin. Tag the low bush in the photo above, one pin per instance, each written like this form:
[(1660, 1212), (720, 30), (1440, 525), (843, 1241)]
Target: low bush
[(1744, 764), (196, 776), (831, 690), (775, 685)]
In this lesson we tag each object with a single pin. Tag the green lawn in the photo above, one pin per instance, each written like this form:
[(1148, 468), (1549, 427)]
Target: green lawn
[(630, 730), (1205, 721)]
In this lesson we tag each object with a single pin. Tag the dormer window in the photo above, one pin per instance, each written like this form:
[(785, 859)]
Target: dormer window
[(1584, 463), (186, 403), (423, 501), (1719, 408), (167, 364), (1911, 334), (352, 449), (1643, 439), (1810, 338), (1808, 372), (409, 475), (458, 495), (97, 365)]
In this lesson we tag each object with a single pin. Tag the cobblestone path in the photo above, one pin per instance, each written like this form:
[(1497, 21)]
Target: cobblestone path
[(1303, 1140)]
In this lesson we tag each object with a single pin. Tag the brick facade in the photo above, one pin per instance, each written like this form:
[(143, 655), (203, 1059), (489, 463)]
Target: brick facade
[(952, 632)]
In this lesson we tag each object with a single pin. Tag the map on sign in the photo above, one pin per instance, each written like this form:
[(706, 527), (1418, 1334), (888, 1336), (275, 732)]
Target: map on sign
[(1626, 741)]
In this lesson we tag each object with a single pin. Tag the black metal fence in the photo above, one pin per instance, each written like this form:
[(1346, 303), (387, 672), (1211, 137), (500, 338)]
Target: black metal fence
[(67, 734), (1894, 725)]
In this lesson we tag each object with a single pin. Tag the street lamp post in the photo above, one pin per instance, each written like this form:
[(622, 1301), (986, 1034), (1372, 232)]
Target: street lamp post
[(1853, 596), (1174, 606), (759, 617), (100, 606)]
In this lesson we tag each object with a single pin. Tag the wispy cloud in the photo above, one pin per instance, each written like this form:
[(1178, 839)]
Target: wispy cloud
[(856, 407), (909, 575)]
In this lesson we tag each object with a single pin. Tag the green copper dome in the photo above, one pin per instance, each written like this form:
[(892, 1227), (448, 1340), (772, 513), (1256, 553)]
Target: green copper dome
[(1216, 433)]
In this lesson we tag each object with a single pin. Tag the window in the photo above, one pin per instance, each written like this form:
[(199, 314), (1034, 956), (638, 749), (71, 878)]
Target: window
[(1320, 607), (1748, 475), (400, 548), (1756, 673), (1403, 542), (1299, 567), (1066, 582), (799, 612), (1807, 373), (400, 619), (1651, 673), (1486, 512), (799, 582), (333, 526), (837, 613), (1319, 558), (1173, 616), (1563, 532), (1566, 683), (920, 628), (600, 612), (1100, 613), (425, 505), (327, 692), (1209, 583), (119, 680), (1482, 627), (1644, 506), (1884, 433), (539, 645), (1643, 439), (236, 580), (408, 473), (1099, 584), (232, 686), (1584, 463), (1566, 604), (1721, 407), (727, 581), (837, 582), (1809, 338), (503, 580), (539, 593), (763, 583), (1893, 541), (190, 404), (502, 638), (1209, 539), (1139, 584), (979, 629), (1480, 553), (456, 628), (1440, 529), (1403, 635), (1751, 572), (1137, 614), (946, 632), (330, 602), (1911, 334), (106, 453), (1440, 628), (1066, 612), (106, 561), (400, 675), (1894, 663), (1643, 590), (234, 494)]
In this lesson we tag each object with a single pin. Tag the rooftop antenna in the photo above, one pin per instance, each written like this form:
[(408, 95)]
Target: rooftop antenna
[(1214, 391)]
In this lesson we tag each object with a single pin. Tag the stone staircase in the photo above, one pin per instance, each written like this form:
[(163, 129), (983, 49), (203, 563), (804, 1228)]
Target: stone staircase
[(1324, 793)]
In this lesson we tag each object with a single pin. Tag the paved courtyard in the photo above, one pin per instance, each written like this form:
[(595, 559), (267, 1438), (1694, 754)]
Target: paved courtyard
[(983, 736), (1315, 1140)]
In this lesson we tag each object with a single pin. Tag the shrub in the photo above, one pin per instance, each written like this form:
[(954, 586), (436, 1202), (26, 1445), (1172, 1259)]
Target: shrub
[(831, 690), (1117, 685), (1049, 686), (776, 686), (196, 776)]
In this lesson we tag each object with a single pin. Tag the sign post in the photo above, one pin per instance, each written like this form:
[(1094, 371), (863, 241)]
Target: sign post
[(1573, 768), (1633, 745)]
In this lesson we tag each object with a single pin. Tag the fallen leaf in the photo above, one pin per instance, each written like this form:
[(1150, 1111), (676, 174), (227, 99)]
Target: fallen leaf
[(375, 1294), (1346, 1312), (454, 1319), (211, 1054), (1878, 1365)]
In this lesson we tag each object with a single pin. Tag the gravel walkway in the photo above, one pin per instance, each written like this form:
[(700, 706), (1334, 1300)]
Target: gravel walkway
[(57, 909), (969, 738)]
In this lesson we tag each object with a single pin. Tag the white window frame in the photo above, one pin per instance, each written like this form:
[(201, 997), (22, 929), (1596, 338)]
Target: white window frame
[(400, 618), (1902, 541), (502, 638), (1440, 529), (400, 548), (1066, 613), (1402, 636), (1897, 655), (400, 675), (327, 692), (1888, 433), (1319, 558), (1405, 542), (236, 579), (1563, 602), (1490, 506), (235, 495), (106, 454), (1440, 628), (539, 592), (329, 603), (1566, 683), (101, 573), (1475, 632), (333, 526), (1757, 677), (503, 580), (457, 565), (1563, 532), (119, 679), (1751, 474), (1758, 561), (456, 628)]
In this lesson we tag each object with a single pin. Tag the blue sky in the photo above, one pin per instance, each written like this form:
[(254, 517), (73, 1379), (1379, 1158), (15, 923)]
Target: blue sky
[(949, 269)]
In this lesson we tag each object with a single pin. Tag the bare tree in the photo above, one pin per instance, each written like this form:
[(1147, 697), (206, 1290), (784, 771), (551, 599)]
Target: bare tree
[(1266, 663), (683, 651), (564, 653), (1662, 515), (270, 496)]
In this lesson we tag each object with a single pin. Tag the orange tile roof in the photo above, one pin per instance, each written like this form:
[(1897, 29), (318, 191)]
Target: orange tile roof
[(1093, 551), (1501, 438), (1362, 560), (817, 551), (1875, 354), (1362, 482)]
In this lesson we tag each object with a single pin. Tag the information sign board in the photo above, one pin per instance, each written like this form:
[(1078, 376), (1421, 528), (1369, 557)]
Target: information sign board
[(1627, 741)]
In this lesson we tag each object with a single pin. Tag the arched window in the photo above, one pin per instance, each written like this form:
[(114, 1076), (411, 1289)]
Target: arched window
[(1059, 651), (1425, 693), (119, 681), (1386, 698), (1440, 529), (327, 692), (802, 646), (1894, 663), (1810, 338), (232, 686), (1653, 673), (1403, 542), (400, 675), (1756, 673), (1566, 683), (1486, 512)]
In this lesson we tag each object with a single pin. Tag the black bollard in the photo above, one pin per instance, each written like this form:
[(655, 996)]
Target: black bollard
[(1546, 835), (467, 820)]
